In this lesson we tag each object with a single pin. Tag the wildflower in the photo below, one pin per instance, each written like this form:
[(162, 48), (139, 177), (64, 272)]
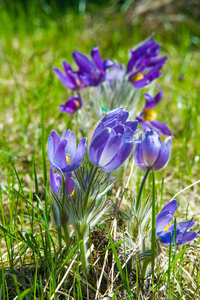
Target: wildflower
[(165, 232), (148, 116), (151, 153), (62, 152), (56, 182), (72, 105), (92, 73), (69, 78), (112, 140), (145, 64)]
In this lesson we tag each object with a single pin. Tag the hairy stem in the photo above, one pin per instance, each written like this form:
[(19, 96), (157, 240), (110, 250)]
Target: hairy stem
[(141, 189)]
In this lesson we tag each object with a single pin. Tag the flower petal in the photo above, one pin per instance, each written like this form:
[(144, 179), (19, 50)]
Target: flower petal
[(111, 148), (164, 154), (59, 160), (159, 127), (187, 237), (80, 152), (53, 180), (162, 220), (138, 156), (120, 156), (171, 207), (96, 57), (97, 144), (70, 148), (84, 64), (66, 79), (151, 101), (151, 146)]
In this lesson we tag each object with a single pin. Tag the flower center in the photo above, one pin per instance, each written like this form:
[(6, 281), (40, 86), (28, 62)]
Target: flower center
[(77, 103), (72, 193), (68, 158), (137, 77), (166, 228), (149, 114)]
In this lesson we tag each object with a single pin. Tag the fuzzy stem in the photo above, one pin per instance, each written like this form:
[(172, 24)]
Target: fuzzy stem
[(92, 174), (141, 189), (66, 234), (83, 255), (153, 233)]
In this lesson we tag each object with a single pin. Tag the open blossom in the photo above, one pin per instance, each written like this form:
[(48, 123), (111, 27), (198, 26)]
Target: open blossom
[(151, 152), (145, 64), (148, 116), (62, 152), (165, 232), (112, 141), (56, 182), (72, 105), (92, 73)]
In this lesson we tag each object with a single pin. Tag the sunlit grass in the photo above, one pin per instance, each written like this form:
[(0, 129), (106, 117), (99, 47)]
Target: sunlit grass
[(30, 95)]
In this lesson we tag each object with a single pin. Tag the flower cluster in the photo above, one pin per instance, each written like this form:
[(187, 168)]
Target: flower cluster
[(110, 146), (78, 190), (116, 84)]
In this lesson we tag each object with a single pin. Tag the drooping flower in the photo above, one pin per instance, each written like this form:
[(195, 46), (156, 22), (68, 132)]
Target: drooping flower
[(112, 141), (69, 78), (165, 232), (145, 64), (62, 152), (56, 182), (151, 153), (72, 105), (92, 73), (148, 116)]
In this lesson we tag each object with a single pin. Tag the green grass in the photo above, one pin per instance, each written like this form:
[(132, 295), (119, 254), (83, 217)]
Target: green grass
[(32, 264)]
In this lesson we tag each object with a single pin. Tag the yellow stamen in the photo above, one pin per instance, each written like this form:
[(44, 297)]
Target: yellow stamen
[(68, 158), (149, 114), (72, 193), (137, 77), (77, 103), (166, 228)]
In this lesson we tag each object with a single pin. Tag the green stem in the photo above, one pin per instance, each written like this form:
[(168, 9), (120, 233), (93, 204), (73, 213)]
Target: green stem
[(83, 256), (141, 189), (153, 234), (66, 234), (92, 175)]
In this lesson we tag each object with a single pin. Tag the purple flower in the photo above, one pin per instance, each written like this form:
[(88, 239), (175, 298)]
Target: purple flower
[(145, 64), (72, 105), (112, 140), (69, 78), (56, 182), (165, 232), (92, 73), (151, 153), (62, 152), (148, 116)]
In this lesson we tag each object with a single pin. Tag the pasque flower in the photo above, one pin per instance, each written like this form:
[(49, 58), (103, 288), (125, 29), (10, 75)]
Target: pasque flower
[(72, 105), (62, 152), (148, 116), (69, 78), (151, 153), (112, 141), (145, 64), (92, 73), (56, 182), (165, 232)]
